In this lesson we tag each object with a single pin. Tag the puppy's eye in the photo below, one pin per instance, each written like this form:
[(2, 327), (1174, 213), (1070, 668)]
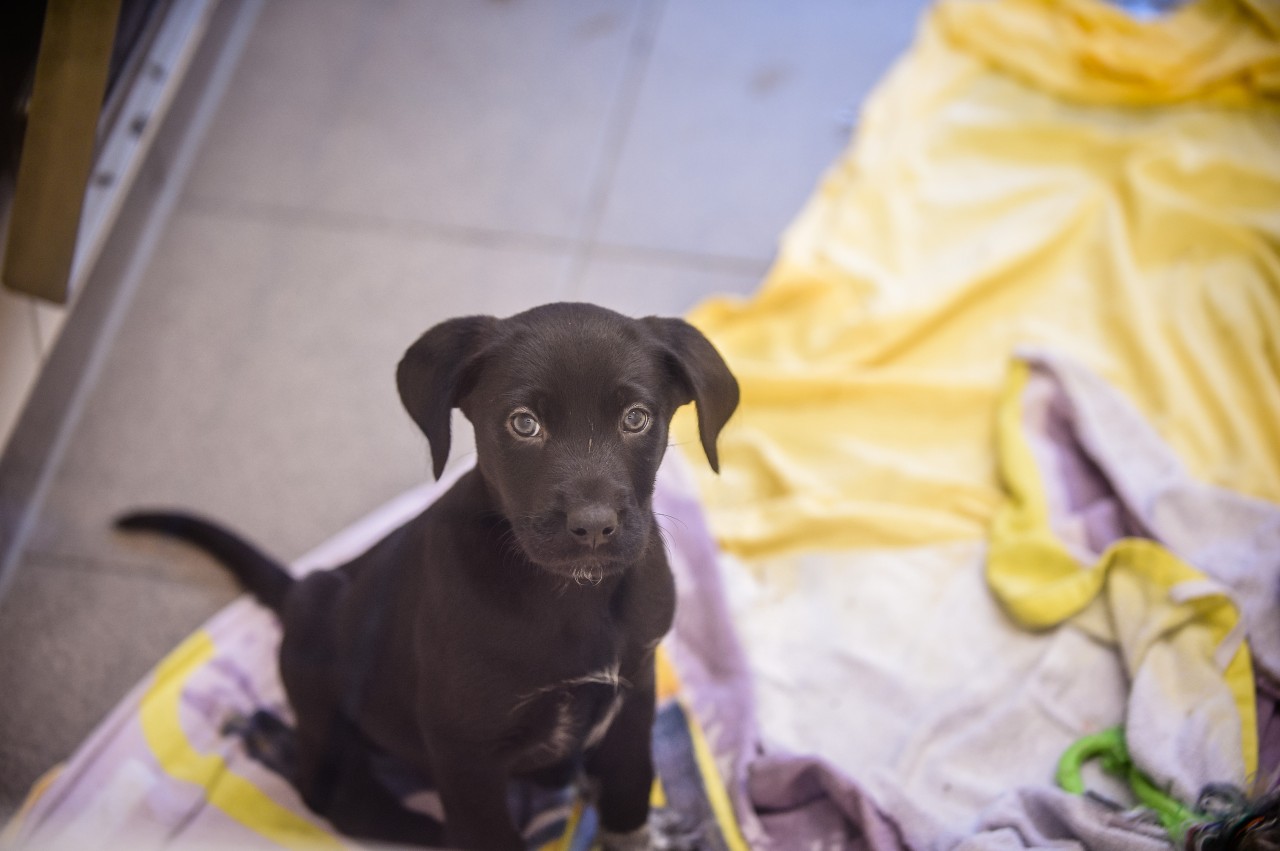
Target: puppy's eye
[(635, 420), (524, 424)]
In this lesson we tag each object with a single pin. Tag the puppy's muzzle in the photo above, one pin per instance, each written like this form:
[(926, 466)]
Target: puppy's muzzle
[(592, 525)]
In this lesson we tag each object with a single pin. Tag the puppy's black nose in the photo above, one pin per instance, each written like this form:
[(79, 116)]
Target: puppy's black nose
[(593, 525)]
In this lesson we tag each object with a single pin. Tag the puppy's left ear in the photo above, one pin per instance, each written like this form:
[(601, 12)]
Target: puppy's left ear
[(436, 372), (705, 377)]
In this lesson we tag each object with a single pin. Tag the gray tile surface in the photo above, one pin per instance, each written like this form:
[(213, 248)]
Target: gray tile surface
[(645, 284), (77, 635), (375, 168), (744, 103), (254, 377), (483, 114)]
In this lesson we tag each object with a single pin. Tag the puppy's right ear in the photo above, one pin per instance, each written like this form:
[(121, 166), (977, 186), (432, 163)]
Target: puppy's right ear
[(436, 372)]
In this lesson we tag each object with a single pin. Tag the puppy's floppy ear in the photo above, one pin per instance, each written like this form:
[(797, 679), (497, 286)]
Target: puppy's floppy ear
[(705, 377), (436, 372)]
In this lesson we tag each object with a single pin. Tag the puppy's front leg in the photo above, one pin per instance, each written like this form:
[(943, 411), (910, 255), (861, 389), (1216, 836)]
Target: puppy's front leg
[(474, 794), (623, 765)]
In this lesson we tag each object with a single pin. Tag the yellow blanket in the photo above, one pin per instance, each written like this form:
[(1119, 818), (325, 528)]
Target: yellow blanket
[(1031, 172)]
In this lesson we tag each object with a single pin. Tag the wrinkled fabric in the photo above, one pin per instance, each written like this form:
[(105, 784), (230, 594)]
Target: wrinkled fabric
[(887, 686), (1268, 736), (1051, 818), (898, 671), (979, 209), (1107, 475), (1221, 51), (1106, 529), (781, 799)]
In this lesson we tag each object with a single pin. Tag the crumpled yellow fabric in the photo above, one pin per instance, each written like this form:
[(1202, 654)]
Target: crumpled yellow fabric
[(1190, 671), (1220, 50), (996, 194)]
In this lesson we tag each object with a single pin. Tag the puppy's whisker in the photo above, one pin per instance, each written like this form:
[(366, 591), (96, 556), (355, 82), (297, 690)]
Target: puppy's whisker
[(678, 520), (666, 543)]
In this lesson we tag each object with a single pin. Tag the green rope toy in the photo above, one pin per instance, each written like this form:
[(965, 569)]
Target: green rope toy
[(1223, 818)]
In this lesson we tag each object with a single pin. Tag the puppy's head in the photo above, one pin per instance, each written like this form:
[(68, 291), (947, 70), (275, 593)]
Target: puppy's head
[(570, 404)]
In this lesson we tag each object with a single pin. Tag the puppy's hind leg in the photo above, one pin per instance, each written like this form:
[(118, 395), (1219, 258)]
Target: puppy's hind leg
[(336, 779), (268, 740)]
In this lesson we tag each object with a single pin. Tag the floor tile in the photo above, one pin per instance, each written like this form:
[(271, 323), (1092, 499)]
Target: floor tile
[(641, 285), (744, 104), (273, 117), (486, 115), (77, 637), (254, 380)]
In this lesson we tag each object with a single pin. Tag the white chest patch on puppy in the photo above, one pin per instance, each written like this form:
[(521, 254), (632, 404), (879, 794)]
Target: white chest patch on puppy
[(560, 740), (609, 676), (566, 729), (602, 726)]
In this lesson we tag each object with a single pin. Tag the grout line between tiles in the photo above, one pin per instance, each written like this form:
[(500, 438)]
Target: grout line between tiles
[(133, 570), (617, 128), (676, 258), (289, 215)]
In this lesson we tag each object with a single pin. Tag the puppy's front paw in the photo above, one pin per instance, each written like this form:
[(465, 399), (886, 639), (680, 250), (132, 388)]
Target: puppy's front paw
[(636, 840), (664, 832), (668, 831), (268, 740)]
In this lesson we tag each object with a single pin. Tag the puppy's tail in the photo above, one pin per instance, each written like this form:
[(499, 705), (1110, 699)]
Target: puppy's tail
[(262, 575)]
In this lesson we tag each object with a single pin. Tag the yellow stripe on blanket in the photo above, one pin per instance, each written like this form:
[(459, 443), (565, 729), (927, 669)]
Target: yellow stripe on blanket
[(237, 797), (713, 784), (984, 206)]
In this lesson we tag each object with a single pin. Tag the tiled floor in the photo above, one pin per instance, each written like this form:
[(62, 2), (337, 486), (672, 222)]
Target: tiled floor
[(377, 167)]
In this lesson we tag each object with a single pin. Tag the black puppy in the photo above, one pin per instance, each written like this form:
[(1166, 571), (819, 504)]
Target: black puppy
[(509, 630)]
